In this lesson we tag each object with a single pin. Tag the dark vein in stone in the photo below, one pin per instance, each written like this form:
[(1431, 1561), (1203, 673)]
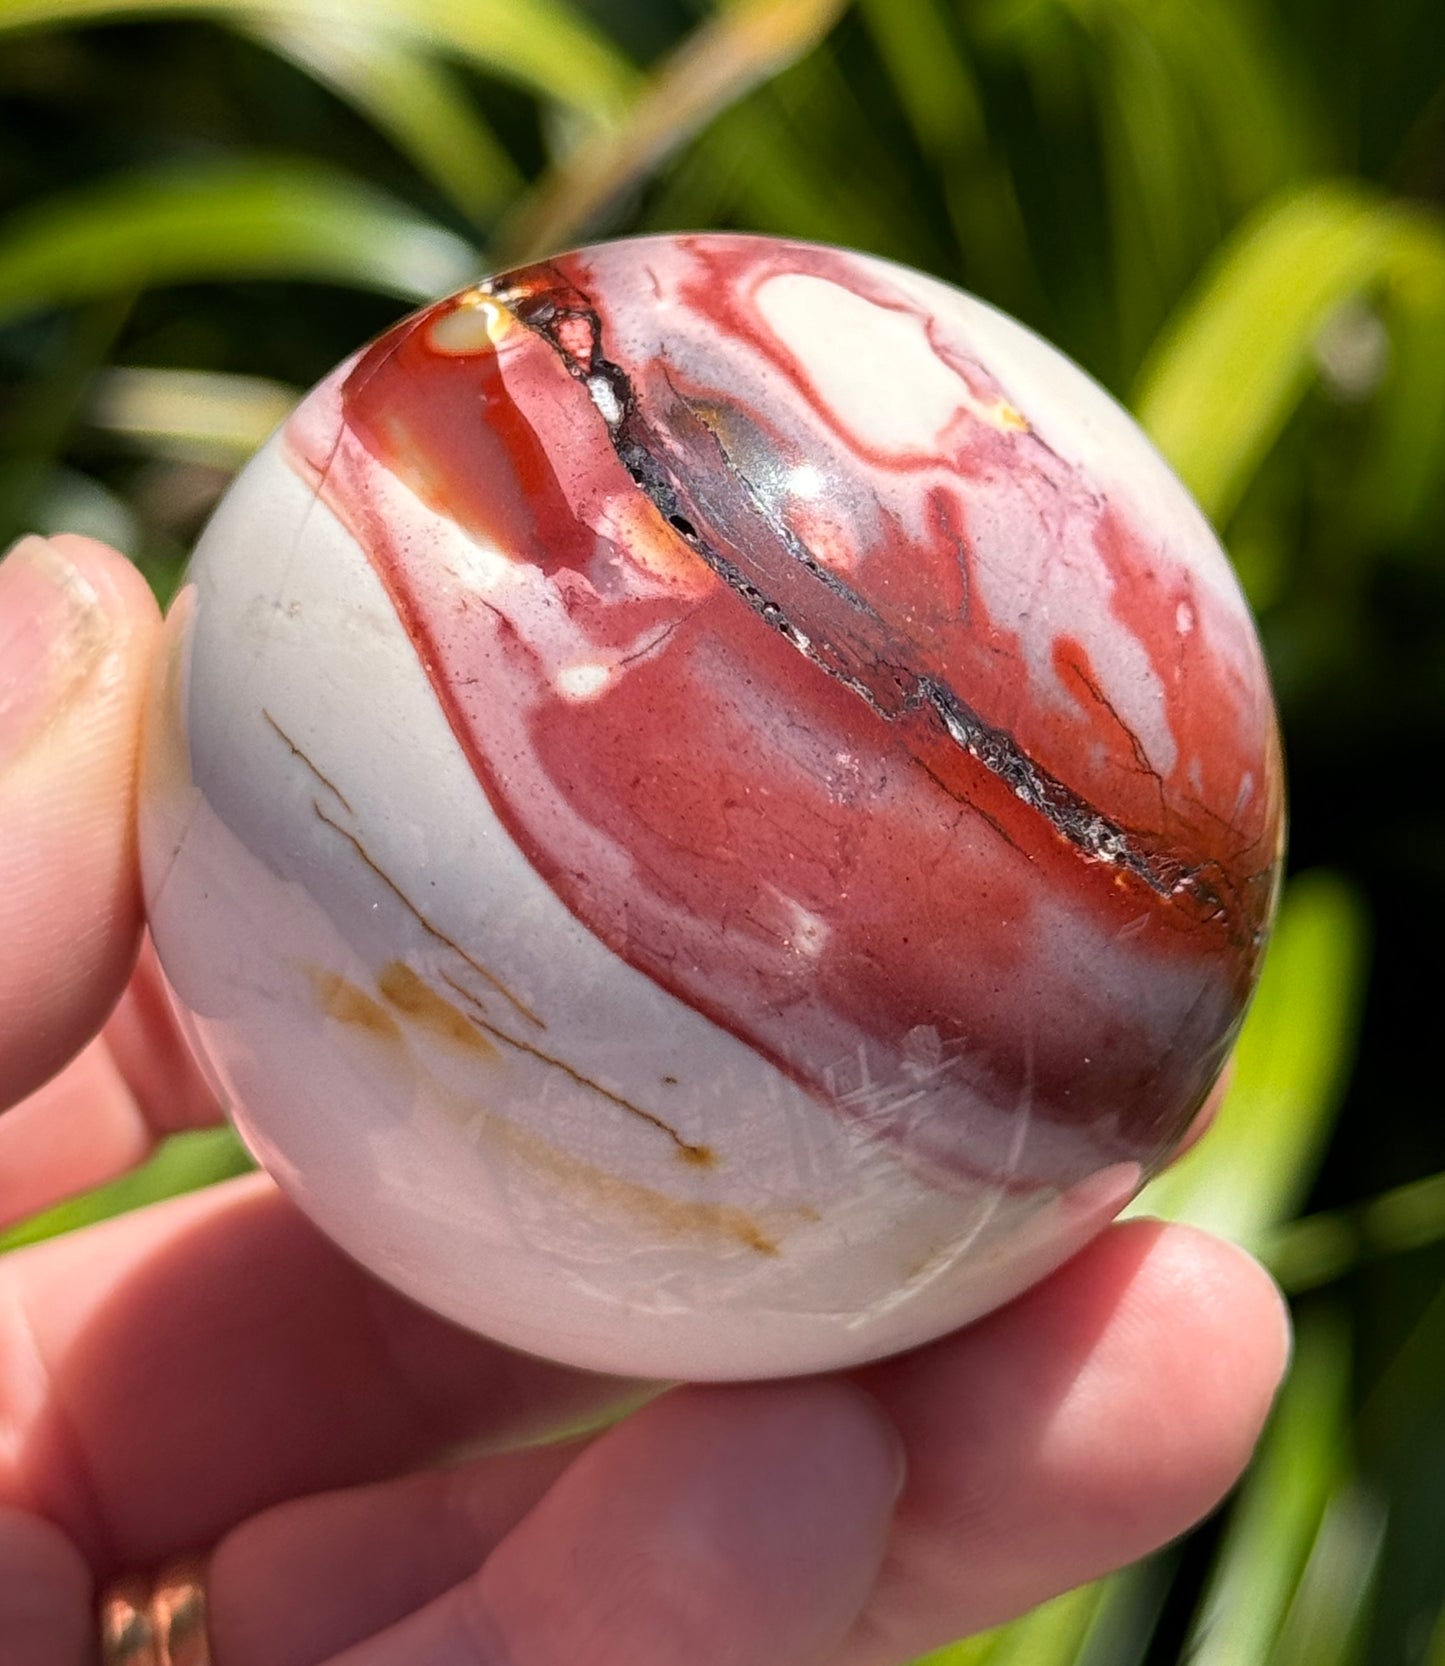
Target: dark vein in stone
[(301, 757), (637, 446)]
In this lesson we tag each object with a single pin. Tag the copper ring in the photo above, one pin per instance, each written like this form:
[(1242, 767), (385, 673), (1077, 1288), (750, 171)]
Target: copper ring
[(159, 1621)]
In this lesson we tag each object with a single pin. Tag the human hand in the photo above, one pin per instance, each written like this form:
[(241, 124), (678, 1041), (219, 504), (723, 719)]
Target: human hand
[(209, 1375)]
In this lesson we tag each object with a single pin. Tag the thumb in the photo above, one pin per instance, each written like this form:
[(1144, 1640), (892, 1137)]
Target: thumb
[(77, 629)]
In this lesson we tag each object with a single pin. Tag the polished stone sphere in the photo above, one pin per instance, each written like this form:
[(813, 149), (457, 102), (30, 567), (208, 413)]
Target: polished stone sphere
[(711, 807)]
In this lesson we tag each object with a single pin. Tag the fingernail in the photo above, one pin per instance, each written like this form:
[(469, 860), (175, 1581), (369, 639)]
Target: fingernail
[(52, 633)]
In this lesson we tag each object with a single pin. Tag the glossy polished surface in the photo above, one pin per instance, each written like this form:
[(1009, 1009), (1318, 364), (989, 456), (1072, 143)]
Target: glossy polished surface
[(714, 807)]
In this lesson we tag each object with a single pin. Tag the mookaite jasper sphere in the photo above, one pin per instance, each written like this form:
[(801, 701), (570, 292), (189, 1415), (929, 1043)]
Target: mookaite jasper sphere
[(712, 807)]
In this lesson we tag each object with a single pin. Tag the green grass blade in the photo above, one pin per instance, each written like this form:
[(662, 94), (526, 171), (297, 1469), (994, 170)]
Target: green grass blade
[(1435, 1649), (548, 46), (1262, 128), (413, 98), (193, 416), (935, 85), (1400, 476), (1104, 1624), (1252, 1169), (972, 1651), (1276, 1519), (723, 59), (182, 1164), (543, 44), (1200, 118), (1231, 367), (1317, 1249), (1050, 1636), (251, 218), (1231, 76), (940, 94), (1325, 1624), (1161, 190)]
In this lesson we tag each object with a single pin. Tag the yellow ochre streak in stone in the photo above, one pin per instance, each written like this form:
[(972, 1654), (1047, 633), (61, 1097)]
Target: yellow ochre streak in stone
[(415, 999), (342, 1001), (668, 1217), (406, 993)]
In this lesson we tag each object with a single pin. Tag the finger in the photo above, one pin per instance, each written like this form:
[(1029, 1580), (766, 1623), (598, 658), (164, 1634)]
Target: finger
[(1098, 1416), (79, 1130), (108, 1107), (77, 628), (166, 1374), (45, 1595), (722, 1525), (342, 1566)]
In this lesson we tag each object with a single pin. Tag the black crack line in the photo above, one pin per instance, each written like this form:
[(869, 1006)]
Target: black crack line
[(638, 447)]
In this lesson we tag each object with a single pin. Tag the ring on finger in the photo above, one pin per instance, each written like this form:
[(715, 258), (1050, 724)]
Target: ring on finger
[(158, 1620)]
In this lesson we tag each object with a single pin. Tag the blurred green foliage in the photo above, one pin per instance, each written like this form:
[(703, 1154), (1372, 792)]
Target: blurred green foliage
[(1229, 210)]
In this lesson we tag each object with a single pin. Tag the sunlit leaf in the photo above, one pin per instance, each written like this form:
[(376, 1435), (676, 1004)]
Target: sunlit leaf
[(1102, 1622), (227, 220), (1325, 1623), (1049, 1636), (1276, 1520), (191, 415), (973, 1651), (718, 64), (409, 95), (1254, 1166), (1224, 378), (544, 44)]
